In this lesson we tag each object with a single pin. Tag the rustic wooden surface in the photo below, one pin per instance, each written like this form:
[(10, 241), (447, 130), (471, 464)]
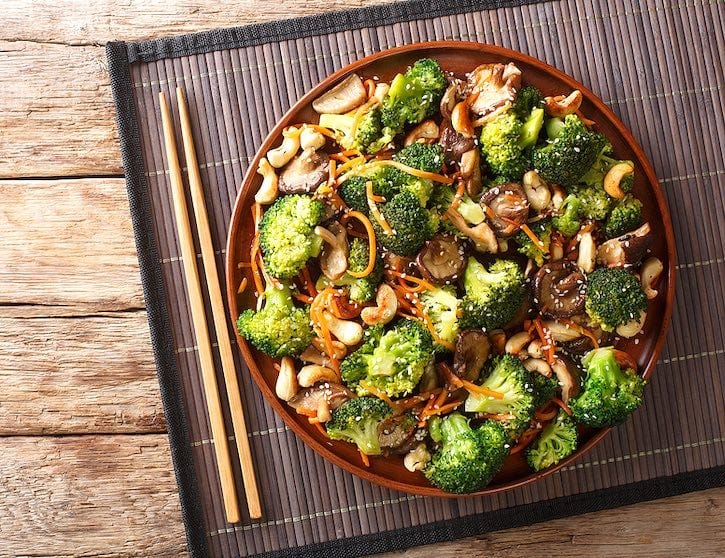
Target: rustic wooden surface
[(85, 462)]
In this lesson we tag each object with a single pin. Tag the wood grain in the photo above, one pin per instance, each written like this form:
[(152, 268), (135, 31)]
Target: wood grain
[(89, 495), (78, 375), (68, 243)]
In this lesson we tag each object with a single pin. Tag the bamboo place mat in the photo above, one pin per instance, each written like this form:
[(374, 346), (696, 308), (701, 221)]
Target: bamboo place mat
[(657, 64)]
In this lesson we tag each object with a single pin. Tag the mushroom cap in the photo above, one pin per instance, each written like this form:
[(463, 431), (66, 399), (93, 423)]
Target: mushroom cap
[(304, 173), (395, 434), (559, 289), (308, 399), (627, 249), (569, 376), (472, 351), (493, 88), (511, 206), (454, 144), (441, 260)]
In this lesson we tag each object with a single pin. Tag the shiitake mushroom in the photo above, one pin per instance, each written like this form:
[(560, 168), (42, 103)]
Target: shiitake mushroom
[(441, 260), (510, 206), (559, 289)]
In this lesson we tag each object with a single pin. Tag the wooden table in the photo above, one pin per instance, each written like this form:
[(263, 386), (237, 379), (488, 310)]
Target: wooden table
[(85, 464)]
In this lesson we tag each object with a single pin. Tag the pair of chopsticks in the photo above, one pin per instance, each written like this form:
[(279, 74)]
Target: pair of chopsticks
[(193, 285)]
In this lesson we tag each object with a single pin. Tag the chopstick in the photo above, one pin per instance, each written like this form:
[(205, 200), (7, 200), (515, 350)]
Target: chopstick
[(193, 287), (218, 312)]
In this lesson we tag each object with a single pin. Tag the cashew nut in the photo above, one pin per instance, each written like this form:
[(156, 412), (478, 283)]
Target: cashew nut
[(269, 189), (280, 156), (556, 251), (538, 365), (517, 342), (534, 349), (651, 270), (417, 458), (461, 120), (427, 129), (381, 90), (387, 306), (311, 138), (286, 386), (614, 177), (333, 259), (557, 196), (310, 374), (587, 253), (633, 327), (536, 190), (339, 349), (348, 332), (561, 106), (470, 167)]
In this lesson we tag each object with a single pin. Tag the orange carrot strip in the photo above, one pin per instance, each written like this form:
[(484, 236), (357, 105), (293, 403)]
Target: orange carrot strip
[(256, 275), (459, 195), (445, 409), (242, 285), (307, 281), (456, 381), (498, 416), (317, 128), (347, 165), (303, 298), (380, 394), (435, 177), (370, 87), (364, 458), (369, 192), (535, 239), (372, 246), (339, 157), (375, 212), (412, 278)]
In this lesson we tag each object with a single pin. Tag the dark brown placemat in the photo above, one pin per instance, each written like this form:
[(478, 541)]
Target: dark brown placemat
[(657, 64)]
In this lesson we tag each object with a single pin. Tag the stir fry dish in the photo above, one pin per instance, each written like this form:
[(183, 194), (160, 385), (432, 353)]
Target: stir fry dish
[(442, 267)]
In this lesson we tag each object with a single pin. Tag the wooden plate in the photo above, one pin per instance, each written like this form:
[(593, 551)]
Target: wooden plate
[(458, 57)]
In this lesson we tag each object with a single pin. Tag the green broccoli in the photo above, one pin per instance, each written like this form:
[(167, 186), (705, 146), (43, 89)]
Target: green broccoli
[(279, 328), (286, 234), (441, 306), (357, 421), (527, 99), (542, 230), (609, 394), (544, 389), (368, 135), (492, 296), (352, 192), (500, 147), (507, 376), (470, 210), (557, 440), (413, 96), (626, 215), (468, 458), (360, 289), (601, 166), (614, 297), (568, 221), (392, 362), (530, 130), (410, 222), (421, 156), (569, 153), (594, 202)]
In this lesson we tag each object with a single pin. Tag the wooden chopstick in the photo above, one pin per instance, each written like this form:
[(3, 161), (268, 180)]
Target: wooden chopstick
[(193, 286), (218, 312)]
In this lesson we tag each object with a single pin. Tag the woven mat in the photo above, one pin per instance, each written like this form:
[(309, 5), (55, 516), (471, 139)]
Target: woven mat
[(658, 64)]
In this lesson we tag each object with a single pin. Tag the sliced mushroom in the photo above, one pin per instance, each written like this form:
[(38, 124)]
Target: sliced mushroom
[(314, 356), (429, 379), (441, 260), (492, 88), (461, 120), (395, 433), (304, 173), (387, 306), (401, 264), (482, 235), (510, 205), (454, 144), (517, 342), (471, 172), (345, 96), (627, 249), (569, 377), (307, 400), (650, 274), (452, 96), (560, 289), (426, 130), (333, 258), (472, 351), (583, 344), (561, 333)]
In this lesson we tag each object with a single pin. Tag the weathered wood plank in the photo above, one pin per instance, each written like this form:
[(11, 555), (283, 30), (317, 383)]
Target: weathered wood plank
[(102, 20), (69, 243), (78, 375), (89, 496), (687, 525)]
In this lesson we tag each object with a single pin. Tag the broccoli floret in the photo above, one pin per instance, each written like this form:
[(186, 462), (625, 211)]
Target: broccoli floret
[(614, 297), (360, 289), (413, 96), (410, 222), (594, 202), (468, 458), (470, 210), (568, 222), (357, 421), (625, 216), (441, 306), (492, 296), (609, 394), (604, 162), (393, 363), (569, 154), (527, 99), (500, 146), (352, 192), (542, 230), (286, 234), (544, 389), (530, 129), (507, 376), (557, 440), (368, 136), (279, 328), (421, 156)]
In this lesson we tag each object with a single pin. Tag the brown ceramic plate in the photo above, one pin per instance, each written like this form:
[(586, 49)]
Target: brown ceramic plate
[(458, 57)]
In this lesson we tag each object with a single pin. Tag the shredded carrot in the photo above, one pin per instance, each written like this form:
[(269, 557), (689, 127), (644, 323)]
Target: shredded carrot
[(332, 173), (372, 246), (498, 416), (364, 458), (369, 193), (445, 409), (307, 282), (456, 381), (535, 239), (369, 87), (367, 386), (547, 340), (339, 157), (256, 275), (347, 165), (431, 328), (242, 285), (435, 177), (317, 128), (425, 285), (625, 359), (318, 318), (402, 405), (422, 416), (342, 308), (563, 405), (460, 190), (586, 121), (307, 412), (305, 299), (360, 112), (374, 211)]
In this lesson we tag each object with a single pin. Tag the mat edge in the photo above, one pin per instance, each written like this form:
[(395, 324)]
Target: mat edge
[(156, 308)]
